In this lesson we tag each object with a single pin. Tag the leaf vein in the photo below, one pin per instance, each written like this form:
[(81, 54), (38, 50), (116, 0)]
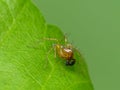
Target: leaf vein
[(10, 27)]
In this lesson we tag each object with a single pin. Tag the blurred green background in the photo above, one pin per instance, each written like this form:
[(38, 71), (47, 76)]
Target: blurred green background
[(94, 27)]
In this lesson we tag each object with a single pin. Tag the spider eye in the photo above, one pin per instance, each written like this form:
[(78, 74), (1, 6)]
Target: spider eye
[(70, 62)]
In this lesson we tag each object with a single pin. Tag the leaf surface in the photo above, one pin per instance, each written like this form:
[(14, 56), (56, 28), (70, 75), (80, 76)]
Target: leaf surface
[(24, 63)]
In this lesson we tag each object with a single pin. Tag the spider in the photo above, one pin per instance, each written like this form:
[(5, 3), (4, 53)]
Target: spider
[(63, 51)]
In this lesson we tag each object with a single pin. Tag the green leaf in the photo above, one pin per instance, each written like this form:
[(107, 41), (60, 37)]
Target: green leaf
[(24, 63)]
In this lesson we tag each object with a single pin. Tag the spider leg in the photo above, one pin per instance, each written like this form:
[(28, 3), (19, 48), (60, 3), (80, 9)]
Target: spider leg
[(47, 58), (54, 46), (51, 39), (75, 49), (78, 53), (65, 39)]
